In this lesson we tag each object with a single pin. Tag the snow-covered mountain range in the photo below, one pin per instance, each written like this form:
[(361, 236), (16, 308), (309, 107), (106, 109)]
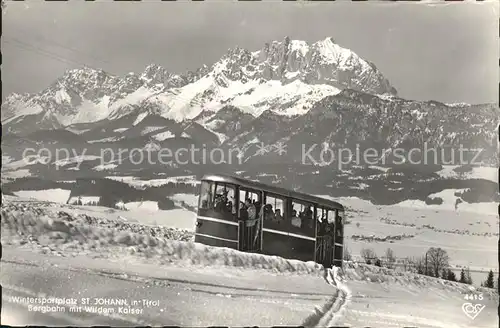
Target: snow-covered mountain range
[(289, 91), (286, 77)]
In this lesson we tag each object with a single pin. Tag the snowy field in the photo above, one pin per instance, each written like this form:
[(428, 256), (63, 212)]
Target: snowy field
[(48, 195), (486, 173), (449, 199), (139, 183), (470, 238), (189, 199)]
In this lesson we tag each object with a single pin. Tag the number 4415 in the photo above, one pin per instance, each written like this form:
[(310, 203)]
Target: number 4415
[(473, 297)]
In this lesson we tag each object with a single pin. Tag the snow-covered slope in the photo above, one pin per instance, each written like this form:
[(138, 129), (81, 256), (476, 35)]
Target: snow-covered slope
[(360, 295), (387, 298)]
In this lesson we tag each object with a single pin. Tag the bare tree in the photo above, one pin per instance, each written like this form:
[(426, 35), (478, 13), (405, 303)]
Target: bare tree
[(419, 264), (390, 259), (368, 255), (437, 259)]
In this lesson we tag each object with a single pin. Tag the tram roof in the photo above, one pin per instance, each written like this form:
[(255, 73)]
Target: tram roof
[(271, 189)]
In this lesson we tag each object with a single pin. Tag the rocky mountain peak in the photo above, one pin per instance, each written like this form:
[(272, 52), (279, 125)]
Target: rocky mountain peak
[(287, 60)]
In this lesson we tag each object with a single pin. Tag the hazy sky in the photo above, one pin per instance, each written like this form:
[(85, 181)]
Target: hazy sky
[(445, 52)]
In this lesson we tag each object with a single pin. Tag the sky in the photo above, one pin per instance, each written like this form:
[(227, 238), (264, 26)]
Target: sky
[(444, 52)]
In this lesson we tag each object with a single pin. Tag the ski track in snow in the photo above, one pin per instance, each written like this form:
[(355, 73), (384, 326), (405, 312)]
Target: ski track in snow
[(332, 311)]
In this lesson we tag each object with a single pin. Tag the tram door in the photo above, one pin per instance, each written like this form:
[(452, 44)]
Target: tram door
[(325, 237), (250, 220)]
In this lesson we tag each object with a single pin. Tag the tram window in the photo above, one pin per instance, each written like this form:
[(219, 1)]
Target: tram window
[(321, 214), (302, 215), (245, 194), (252, 196), (321, 220), (224, 200), (331, 216), (274, 208), (206, 195), (325, 220)]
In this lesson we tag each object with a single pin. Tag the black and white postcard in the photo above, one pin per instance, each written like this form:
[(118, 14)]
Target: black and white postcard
[(250, 163)]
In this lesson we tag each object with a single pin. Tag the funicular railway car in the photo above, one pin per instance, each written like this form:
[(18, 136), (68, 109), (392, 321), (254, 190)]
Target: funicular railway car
[(253, 217)]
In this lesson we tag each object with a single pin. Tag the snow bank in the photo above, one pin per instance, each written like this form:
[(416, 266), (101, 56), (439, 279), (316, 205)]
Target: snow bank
[(178, 218), (370, 273), (94, 217), (78, 237)]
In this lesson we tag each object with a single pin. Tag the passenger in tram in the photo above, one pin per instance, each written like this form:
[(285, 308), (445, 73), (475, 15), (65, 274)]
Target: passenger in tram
[(258, 206), (268, 212), (296, 220), (329, 228), (243, 211), (308, 213), (278, 218), (252, 213), (322, 224), (250, 223), (219, 202), (309, 220), (230, 206)]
